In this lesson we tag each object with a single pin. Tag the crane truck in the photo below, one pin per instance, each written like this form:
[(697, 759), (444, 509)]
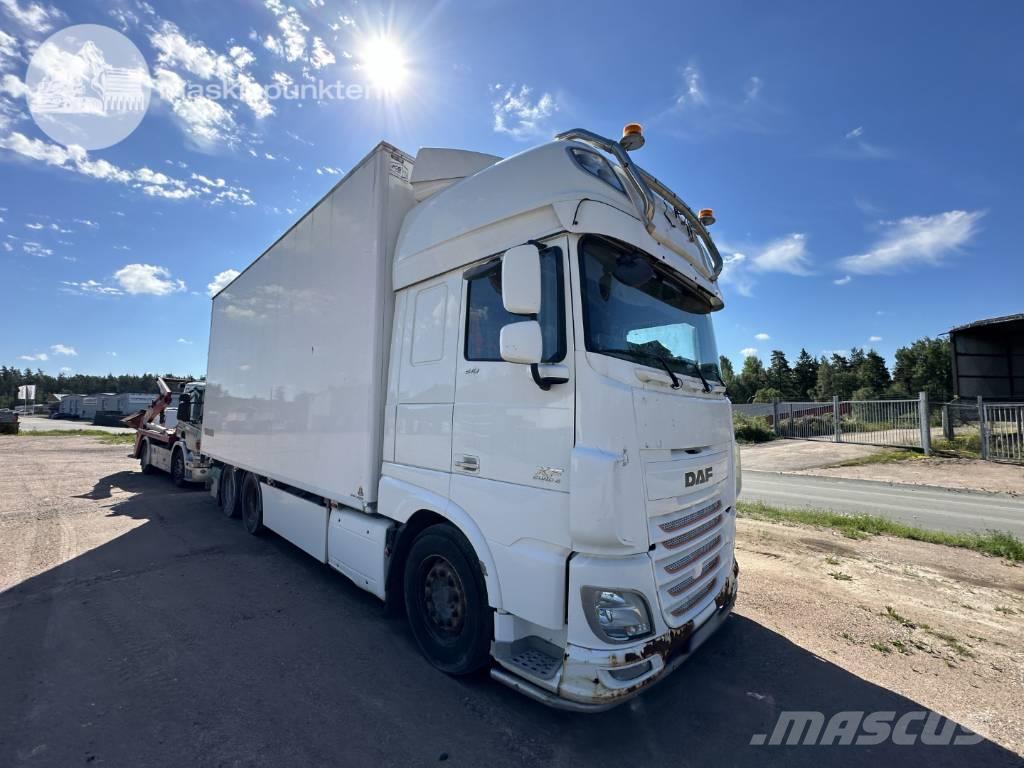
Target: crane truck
[(487, 391)]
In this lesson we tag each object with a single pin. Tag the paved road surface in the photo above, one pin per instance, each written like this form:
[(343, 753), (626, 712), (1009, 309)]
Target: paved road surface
[(935, 508), (140, 627)]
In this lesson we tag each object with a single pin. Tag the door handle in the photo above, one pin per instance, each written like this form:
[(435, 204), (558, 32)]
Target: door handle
[(468, 463)]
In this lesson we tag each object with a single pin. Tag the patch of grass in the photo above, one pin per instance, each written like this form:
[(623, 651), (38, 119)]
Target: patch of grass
[(1005, 609), (831, 559), (883, 457), (902, 647), (961, 445), (882, 648), (952, 642), (995, 543), (840, 576), (903, 621), (848, 637), (107, 438)]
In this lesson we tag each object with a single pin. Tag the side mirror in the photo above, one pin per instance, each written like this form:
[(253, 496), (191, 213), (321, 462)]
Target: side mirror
[(520, 280), (184, 408), (522, 343)]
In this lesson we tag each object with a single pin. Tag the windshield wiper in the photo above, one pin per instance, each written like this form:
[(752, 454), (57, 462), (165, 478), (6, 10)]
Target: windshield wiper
[(676, 384)]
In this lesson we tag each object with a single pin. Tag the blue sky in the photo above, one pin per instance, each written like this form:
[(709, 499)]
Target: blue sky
[(863, 161)]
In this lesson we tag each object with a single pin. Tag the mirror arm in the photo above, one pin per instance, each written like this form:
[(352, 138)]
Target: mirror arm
[(545, 382)]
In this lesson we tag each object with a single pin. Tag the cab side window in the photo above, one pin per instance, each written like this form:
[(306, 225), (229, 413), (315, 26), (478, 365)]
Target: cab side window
[(486, 316)]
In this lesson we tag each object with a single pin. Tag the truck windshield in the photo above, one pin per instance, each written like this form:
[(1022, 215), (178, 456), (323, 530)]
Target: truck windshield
[(634, 308)]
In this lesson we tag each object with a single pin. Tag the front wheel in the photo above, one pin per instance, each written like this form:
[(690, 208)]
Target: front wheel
[(229, 491), (147, 468), (178, 468), (446, 601), (252, 505)]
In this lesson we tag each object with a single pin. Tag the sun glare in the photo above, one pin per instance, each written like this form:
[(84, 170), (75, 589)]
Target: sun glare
[(383, 61)]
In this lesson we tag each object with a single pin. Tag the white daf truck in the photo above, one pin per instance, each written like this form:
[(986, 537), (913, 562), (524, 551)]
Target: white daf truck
[(488, 392)]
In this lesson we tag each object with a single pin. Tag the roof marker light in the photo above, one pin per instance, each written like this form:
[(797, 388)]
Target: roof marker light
[(632, 137), (706, 216)]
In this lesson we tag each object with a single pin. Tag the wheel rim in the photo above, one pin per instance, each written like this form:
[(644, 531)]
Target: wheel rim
[(444, 599)]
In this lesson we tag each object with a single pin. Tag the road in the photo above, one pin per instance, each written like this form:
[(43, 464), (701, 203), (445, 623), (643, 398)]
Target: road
[(935, 508), (140, 627)]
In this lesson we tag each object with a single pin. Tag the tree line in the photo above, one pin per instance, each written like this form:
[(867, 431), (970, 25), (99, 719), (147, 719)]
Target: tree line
[(83, 384), (924, 366)]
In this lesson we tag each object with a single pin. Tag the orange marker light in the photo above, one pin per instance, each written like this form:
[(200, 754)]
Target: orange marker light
[(706, 216), (632, 136)]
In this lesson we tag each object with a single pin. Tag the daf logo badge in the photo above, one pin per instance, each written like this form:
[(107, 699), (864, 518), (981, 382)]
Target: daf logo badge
[(699, 477)]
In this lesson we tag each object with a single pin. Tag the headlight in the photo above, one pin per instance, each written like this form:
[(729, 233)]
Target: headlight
[(616, 615)]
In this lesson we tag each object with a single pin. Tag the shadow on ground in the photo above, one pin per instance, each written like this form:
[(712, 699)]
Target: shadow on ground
[(187, 642)]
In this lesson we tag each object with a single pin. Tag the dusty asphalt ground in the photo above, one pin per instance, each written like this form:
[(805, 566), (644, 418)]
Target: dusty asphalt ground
[(140, 627)]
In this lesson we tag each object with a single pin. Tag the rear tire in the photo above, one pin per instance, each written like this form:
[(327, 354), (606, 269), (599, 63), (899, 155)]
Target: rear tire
[(446, 601), (252, 505), (178, 468), (229, 492), (147, 468)]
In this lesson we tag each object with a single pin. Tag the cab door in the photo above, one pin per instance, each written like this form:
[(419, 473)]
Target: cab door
[(506, 428)]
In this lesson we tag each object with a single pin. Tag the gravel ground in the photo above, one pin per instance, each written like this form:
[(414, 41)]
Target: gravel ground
[(810, 457), (139, 627)]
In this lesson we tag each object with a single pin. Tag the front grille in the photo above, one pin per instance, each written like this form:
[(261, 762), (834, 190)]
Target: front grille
[(679, 587), (691, 558), (691, 518), (696, 533), (692, 601)]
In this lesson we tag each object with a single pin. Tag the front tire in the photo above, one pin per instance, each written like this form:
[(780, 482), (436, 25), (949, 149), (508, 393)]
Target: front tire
[(446, 601), (229, 492), (252, 505), (147, 468), (178, 468)]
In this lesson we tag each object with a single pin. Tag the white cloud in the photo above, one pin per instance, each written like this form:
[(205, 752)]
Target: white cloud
[(748, 352), (34, 225), (147, 279), (88, 223), (293, 31), (13, 86), (8, 50), (692, 93), (35, 249), (855, 145), (282, 79), (856, 132), (65, 369), (63, 349), (321, 55), (842, 280), (517, 114), (184, 341), (762, 336), (875, 338), (207, 119), (220, 280), (40, 356), (787, 254), (149, 182), (328, 170), (90, 286), (8, 247), (753, 87), (36, 17), (916, 240)]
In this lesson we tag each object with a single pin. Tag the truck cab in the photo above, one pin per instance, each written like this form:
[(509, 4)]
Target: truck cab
[(555, 390)]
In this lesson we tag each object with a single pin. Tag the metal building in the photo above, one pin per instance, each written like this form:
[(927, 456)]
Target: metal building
[(988, 359)]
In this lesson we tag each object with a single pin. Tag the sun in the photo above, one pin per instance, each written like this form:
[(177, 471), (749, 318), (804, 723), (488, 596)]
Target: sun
[(383, 61)]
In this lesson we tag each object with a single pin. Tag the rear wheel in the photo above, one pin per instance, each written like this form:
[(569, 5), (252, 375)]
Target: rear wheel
[(446, 601), (229, 491), (147, 468), (178, 468), (252, 505)]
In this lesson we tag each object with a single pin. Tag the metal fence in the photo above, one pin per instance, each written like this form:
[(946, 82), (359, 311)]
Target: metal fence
[(993, 431)]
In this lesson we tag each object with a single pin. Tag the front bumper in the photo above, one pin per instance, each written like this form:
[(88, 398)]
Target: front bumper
[(594, 681)]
